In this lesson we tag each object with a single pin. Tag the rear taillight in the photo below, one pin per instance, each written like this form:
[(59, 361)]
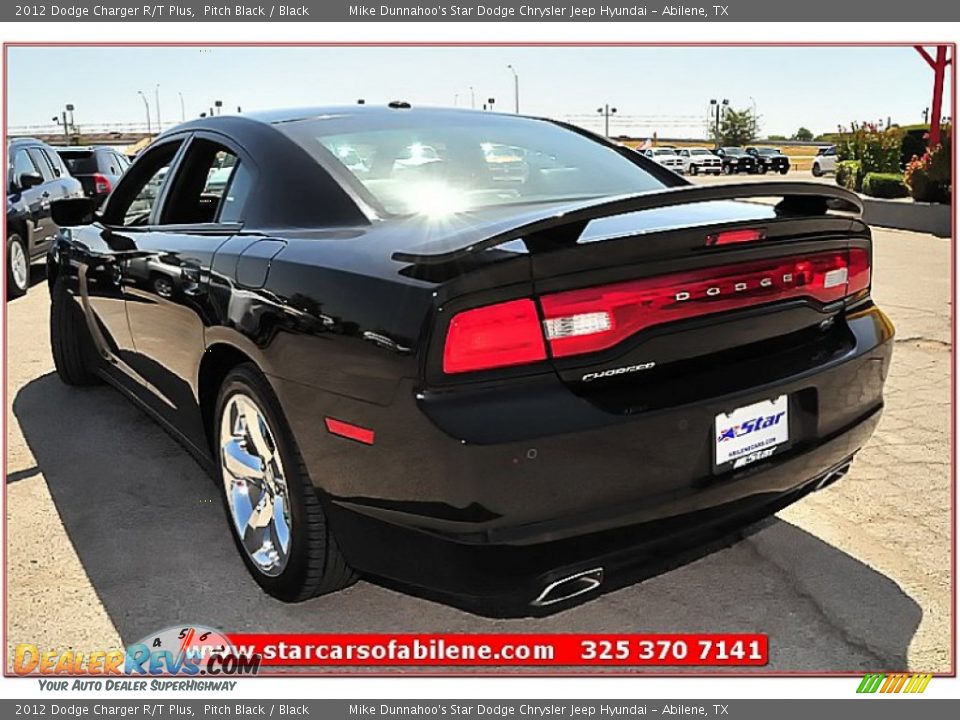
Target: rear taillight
[(494, 336), (594, 319), (101, 184)]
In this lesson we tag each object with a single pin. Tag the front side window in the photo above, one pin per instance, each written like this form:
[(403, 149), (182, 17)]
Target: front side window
[(22, 165), (133, 201), (457, 163), (43, 165)]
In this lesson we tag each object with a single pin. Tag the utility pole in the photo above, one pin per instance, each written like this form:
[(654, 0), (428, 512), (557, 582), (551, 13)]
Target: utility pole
[(473, 99), (516, 89), (183, 112), (156, 96), (607, 111), (146, 106)]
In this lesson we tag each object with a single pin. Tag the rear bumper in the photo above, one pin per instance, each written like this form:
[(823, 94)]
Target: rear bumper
[(493, 497)]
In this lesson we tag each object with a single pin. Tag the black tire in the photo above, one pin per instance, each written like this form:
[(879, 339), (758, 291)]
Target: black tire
[(728, 170), (694, 170), (74, 355), (763, 170), (315, 566), (15, 289), (784, 170), (817, 172)]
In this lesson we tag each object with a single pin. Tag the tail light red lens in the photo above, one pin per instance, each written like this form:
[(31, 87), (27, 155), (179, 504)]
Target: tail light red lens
[(594, 319), (101, 184), (494, 336)]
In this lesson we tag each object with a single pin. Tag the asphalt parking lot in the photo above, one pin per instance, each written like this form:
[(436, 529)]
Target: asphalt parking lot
[(114, 532)]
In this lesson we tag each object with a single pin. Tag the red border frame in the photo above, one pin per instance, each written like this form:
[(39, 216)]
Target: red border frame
[(416, 672)]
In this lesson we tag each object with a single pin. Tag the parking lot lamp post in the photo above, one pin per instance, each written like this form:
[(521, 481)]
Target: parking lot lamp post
[(716, 114), (473, 99), (183, 112), (146, 106), (516, 89), (607, 111), (156, 97), (218, 104)]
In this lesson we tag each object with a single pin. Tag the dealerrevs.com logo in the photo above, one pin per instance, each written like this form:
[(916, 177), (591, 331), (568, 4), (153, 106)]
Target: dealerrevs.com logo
[(189, 650)]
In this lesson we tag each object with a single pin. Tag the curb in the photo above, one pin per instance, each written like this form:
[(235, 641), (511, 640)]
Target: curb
[(933, 218)]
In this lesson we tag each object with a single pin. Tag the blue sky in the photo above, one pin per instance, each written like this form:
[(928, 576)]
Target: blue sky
[(663, 90)]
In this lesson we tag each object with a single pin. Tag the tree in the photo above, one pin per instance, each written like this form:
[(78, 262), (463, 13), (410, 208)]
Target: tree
[(737, 127), (803, 134)]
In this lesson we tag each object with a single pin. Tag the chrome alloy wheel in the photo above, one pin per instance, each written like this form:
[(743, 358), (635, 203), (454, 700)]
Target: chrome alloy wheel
[(19, 267), (255, 484)]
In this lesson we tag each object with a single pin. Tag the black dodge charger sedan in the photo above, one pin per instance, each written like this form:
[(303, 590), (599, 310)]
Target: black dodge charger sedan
[(507, 394)]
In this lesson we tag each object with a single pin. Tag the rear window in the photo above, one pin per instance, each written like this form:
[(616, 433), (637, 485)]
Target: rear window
[(79, 162), (454, 163)]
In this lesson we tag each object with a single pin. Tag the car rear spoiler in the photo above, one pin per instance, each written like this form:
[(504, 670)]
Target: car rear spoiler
[(566, 225)]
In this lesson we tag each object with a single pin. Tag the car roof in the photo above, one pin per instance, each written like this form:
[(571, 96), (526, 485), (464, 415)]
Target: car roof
[(25, 141), (84, 148)]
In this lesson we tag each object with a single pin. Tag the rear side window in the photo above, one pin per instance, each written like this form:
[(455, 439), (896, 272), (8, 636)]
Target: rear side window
[(204, 190), (59, 169)]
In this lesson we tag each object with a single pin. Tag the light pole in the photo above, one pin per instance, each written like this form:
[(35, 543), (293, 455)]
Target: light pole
[(516, 89), (716, 122), (183, 112), (606, 111), (146, 106), (456, 99), (156, 97), (473, 99)]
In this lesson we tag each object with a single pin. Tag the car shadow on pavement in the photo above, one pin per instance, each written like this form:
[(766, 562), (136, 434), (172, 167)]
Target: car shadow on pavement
[(147, 525)]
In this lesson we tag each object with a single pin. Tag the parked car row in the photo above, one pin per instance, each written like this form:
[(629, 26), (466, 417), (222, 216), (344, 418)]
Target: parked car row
[(38, 174), (728, 160)]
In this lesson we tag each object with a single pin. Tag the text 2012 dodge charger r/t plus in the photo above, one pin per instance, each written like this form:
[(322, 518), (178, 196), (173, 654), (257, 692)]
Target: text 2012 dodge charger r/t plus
[(506, 394)]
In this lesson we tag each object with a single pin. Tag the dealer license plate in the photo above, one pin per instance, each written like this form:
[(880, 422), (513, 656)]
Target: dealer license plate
[(751, 433)]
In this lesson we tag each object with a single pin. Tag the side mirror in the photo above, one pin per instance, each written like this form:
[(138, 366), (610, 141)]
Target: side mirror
[(29, 180), (71, 212)]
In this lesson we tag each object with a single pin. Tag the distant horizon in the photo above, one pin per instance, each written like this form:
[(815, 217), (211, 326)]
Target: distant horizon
[(657, 90)]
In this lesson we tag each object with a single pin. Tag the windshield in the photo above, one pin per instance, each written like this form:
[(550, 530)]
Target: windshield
[(700, 152), (733, 151), (664, 152), (454, 162), (768, 151)]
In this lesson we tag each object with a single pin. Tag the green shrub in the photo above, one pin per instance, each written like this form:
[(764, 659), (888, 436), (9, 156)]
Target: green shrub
[(877, 150), (884, 185), (850, 174)]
